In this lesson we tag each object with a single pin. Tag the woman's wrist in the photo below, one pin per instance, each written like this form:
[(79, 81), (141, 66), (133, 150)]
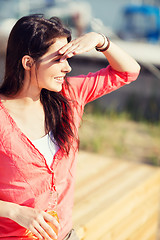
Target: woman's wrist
[(103, 45), (14, 211)]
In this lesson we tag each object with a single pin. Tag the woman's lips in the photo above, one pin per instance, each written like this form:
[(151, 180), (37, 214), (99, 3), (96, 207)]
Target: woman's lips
[(59, 79)]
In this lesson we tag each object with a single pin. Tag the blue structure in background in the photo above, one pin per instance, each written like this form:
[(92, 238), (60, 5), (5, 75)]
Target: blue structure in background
[(142, 21)]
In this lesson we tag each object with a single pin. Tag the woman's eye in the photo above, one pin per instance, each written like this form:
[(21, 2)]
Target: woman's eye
[(56, 60)]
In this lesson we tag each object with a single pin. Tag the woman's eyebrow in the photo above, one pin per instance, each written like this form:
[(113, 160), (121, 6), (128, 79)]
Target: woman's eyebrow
[(51, 56), (58, 56)]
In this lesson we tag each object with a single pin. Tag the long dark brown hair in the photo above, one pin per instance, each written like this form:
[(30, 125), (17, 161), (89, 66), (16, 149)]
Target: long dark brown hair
[(33, 35)]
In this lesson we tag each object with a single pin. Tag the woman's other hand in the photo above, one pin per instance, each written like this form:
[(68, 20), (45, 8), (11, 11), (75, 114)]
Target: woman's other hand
[(36, 222)]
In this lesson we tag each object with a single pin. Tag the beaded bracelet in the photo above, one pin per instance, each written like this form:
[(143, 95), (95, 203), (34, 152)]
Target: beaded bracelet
[(105, 45)]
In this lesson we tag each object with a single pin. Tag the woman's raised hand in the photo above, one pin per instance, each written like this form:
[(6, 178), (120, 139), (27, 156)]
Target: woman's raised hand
[(80, 45), (36, 222)]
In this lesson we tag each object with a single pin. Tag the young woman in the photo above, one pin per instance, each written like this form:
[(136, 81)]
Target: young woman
[(40, 113)]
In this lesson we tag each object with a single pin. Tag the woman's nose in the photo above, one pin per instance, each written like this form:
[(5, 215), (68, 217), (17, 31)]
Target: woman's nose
[(66, 67)]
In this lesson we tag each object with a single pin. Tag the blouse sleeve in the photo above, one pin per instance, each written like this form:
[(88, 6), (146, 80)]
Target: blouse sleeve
[(94, 85)]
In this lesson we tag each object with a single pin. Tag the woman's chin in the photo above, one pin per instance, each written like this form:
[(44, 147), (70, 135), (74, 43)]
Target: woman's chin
[(54, 89)]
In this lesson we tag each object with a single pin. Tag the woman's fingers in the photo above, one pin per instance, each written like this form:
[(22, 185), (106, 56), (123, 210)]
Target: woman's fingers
[(69, 47), (73, 50), (68, 50), (44, 230), (35, 232), (51, 219)]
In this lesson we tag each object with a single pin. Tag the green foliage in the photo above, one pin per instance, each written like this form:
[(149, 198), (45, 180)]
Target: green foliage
[(117, 135)]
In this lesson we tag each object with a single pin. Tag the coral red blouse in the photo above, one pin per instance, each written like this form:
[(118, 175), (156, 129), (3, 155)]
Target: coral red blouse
[(25, 177)]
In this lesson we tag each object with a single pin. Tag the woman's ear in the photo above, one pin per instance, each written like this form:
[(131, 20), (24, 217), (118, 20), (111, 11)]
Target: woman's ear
[(27, 62)]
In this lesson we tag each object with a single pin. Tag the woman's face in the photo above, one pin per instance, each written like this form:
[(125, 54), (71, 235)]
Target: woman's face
[(50, 72)]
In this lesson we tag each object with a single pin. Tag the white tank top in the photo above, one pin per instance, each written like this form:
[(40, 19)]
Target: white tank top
[(46, 147)]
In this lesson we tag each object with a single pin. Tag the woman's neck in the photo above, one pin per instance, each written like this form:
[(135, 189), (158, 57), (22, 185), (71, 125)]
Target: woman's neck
[(25, 97)]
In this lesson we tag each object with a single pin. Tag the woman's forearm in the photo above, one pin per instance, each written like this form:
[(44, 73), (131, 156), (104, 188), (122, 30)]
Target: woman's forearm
[(8, 209), (120, 60)]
